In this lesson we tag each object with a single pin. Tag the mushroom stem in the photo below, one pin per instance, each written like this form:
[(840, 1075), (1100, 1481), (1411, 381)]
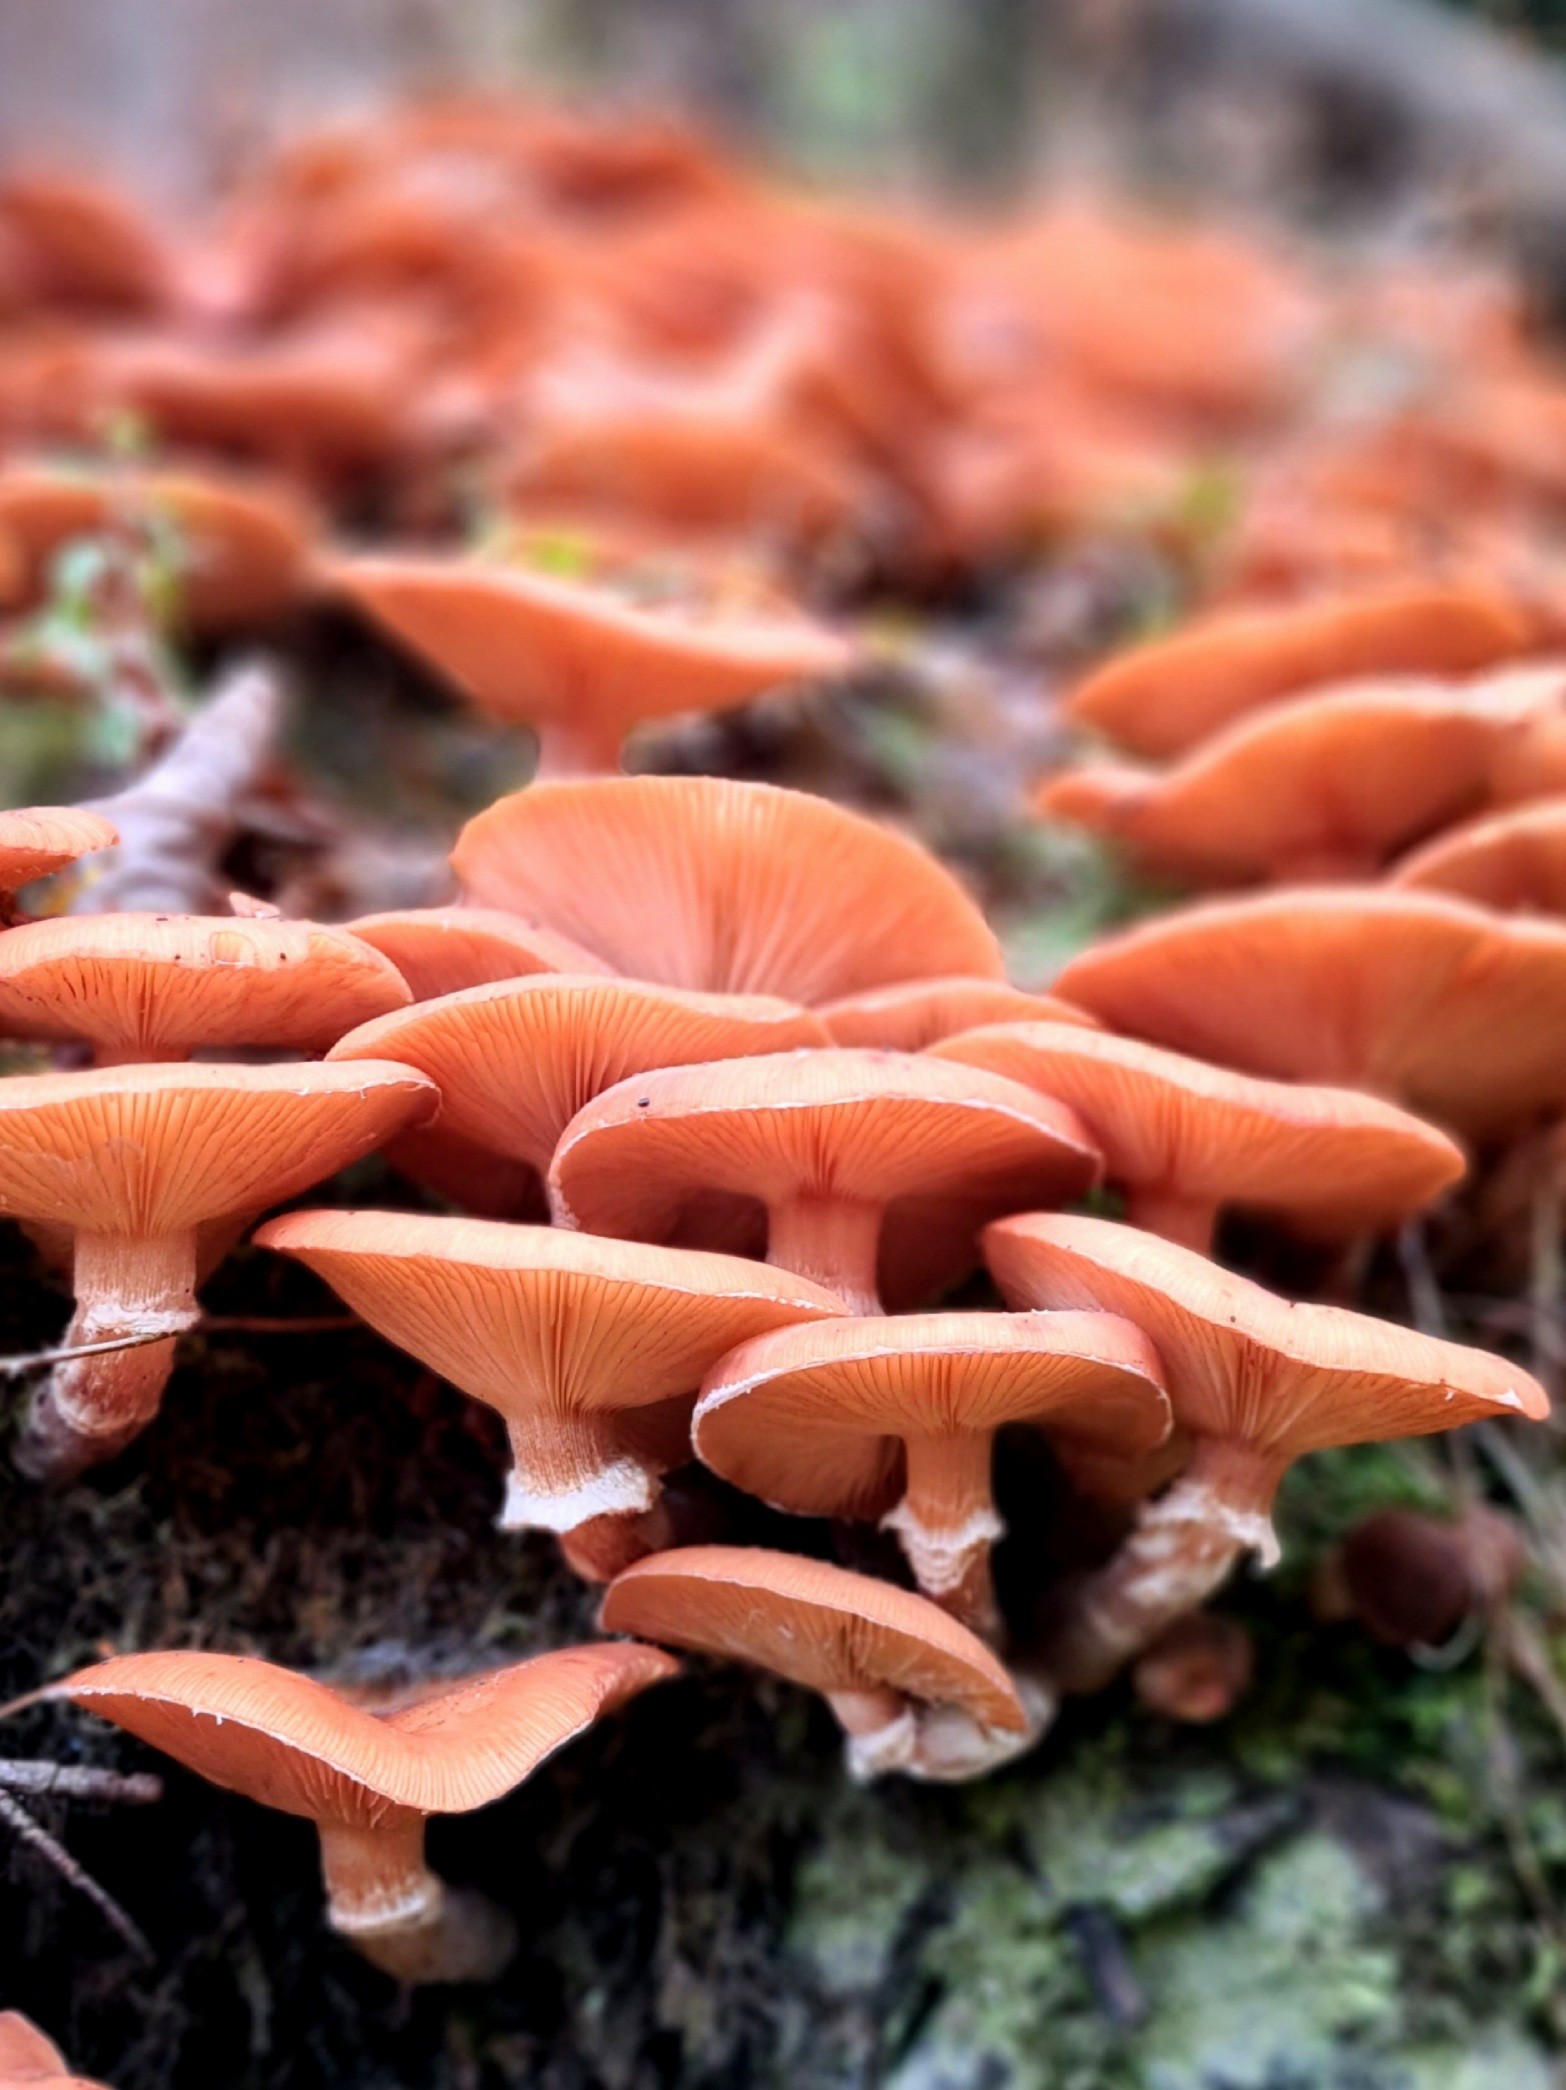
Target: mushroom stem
[(832, 1241), (90, 1408), (881, 1727), (1161, 1209), (569, 1470), (946, 1523), (1182, 1549), (601, 1548), (576, 747), (382, 1897)]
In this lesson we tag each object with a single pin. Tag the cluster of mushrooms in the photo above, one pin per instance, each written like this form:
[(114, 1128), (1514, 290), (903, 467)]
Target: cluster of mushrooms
[(736, 1080)]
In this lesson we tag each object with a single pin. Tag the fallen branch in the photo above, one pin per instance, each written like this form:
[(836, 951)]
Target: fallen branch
[(177, 820), (73, 1781)]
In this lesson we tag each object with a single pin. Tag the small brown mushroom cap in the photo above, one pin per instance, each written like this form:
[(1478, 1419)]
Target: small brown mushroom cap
[(1445, 1007), (1198, 1670), (146, 987), (1514, 861), (531, 648), (591, 1350), (817, 1625), (36, 841), (724, 887), (517, 1059), (1329, 1162), (440, 950), (138, 1151), (1163, 696), (1328, 785), (814, 1420), (913, 1014), (813, 1131), (1245, 1366), (292, 1743)]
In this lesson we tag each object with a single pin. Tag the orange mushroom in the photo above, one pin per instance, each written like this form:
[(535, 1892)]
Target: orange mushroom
[(1257, 1382), (1163, 696), (439, 950), (37, 841), (1184, 1139), (517, 1059), (27, 2057), (912, 1689), (1197, 1670), (1454, 1011), (143, 987), (913, 1014), (84, 243), (591, 1350), (826, 1141), (1327, 786), (241, 548), (581, 664), (370, 1780), (895, 1419), (1514, 861), (132, 1161), (726, 887)]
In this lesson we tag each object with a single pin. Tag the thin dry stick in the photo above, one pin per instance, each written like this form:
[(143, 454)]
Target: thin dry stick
[(79, 1782), (217, 1324), (36, 1838)]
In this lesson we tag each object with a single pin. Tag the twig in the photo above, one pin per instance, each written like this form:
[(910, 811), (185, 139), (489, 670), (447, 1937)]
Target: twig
[(215, 1324), (39, 1360), (176, 821), (71, 1781), (37, 1838)]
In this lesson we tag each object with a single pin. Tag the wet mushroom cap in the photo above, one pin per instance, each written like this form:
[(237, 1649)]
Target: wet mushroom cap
[(724, 887), (148, 1150), (518, 1313), (1346, 774), (517, 1059), (913, 1014), (1514, 861), (27, 2056), (292, 1743), (36, 841), (1163, 696), (1333, 1161), (440, 950), (862, 1127), (812, 1420), (1242, 1363), (1446, 1007), (528, 646), (817, 1625)]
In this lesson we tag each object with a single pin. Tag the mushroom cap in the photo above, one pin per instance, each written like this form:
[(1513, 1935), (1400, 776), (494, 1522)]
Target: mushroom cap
[(725, 887), (1354, 772), (296, 1745), (153, 1150), (911, 1014), (38, 840), (1513, 861), (1244, 1365), (1455, 1011), (245, 544), (862, 1127), (1163, 696), (529, 647), (440, 950), (517, 1059), (1333, 1161), (531, 1318), (26, 2055), (817, 1625), (150, 984), (813, 1419)]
